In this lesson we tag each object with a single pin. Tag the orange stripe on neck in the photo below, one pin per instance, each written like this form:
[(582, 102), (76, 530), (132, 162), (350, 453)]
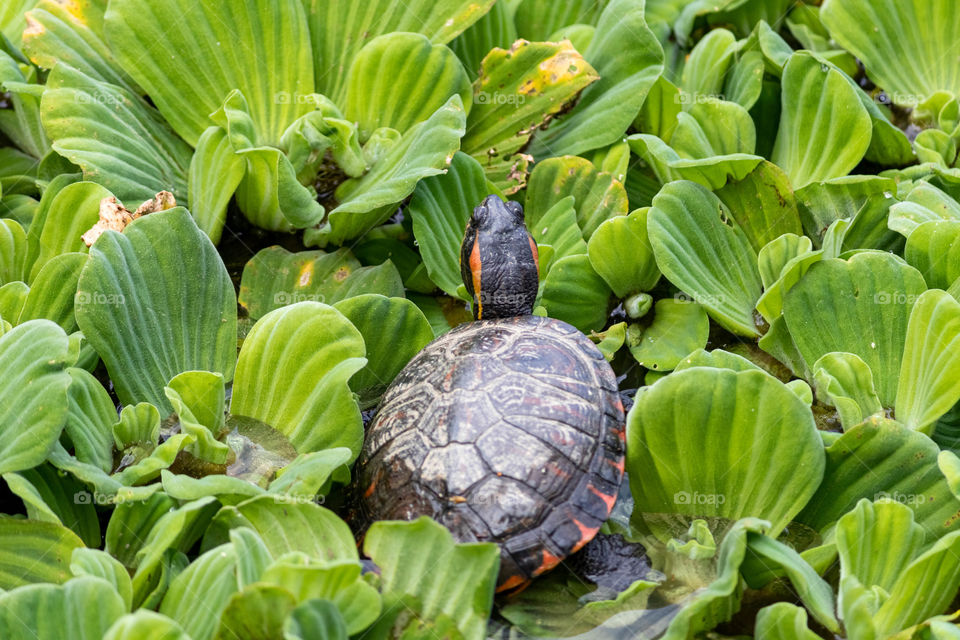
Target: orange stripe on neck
[(475, 270)]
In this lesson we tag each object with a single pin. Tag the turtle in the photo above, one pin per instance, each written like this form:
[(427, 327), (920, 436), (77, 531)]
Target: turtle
[(506, 429)]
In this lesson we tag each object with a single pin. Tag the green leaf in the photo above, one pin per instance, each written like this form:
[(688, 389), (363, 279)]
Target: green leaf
[(823, 203), (33, 393), (12, 23), (310, 473), (145, 625), (763, 204), (440, 208), (400, 79), (744, 82), (517, 92), (859, 306), (920, 30), (157, 288), (621, 253), (52, 296), (34, 552), (845, 381), (699, 249), (928, 384), (275, 278), (118, 140), (214, 174), (678, 329), (558, 228), (272, 38), (629, 59), (315, 619), (73, 34), (288, 525), (196, 596), (82, 609), (714, 128), (307, 352), (495, 29), (732, 415), (100, 564), (883, 459), (598, 196), (339, 30), (824, 129), (575, 293), (424, 569), (934, 248), (90, 418), (52, 496), (257, 611), (21, 120), (13, 241), (337, 582), (197, 397), (394, 330), (72, 211), (783, 621), (426, 149), (667, 165), (707, 65), (538, 19)]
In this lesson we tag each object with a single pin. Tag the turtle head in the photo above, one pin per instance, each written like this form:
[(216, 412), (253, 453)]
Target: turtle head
[(499, 261)]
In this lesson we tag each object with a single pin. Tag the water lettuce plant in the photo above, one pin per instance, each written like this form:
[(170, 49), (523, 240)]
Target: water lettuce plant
[(226, 226)]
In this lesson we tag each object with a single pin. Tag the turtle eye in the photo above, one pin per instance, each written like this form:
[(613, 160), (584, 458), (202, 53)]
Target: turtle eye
[(479, 215), (516, 209)]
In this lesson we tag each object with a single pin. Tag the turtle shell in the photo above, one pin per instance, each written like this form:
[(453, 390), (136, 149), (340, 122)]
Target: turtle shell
[(506, 430)]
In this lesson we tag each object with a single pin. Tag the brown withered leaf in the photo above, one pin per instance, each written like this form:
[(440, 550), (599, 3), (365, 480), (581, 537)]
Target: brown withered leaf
[(115, 217)]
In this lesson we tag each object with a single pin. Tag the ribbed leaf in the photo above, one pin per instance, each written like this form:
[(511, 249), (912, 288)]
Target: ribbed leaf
[(215, 173), (934, 248), (90, 419), (260, 47), (824, 130), (667, 165), (82, 609), (621, 253), (440, 208), (114, 136), (33, 393), (394, 330), (423, 568), (52, 496), (629, 59), (783, 621), (275, 278), (196, 596), (400, 79), (882, 458), (702, 252), (32, 552), (155, 301), (13, 252), (72, 211), (307, 352), (73, 33), (426, 149), (495, 29), (340, 28), (763, 204), (918, 30), (315, 619), (53, 294), (845, 381), (145, 625), (678, 328), (598, 196), (929, 383), (575, 293), (517, 91), (859, 306), (749, 431)]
